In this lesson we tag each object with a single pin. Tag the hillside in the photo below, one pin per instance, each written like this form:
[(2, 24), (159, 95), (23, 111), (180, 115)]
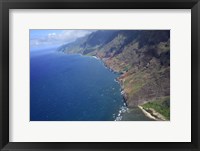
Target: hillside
[(141, 56)]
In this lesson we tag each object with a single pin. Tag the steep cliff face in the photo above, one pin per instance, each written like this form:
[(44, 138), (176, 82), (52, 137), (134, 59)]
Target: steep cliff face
[(142, 58)]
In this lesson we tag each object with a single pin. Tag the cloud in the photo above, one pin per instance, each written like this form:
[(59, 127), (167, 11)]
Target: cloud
[(57, 39)]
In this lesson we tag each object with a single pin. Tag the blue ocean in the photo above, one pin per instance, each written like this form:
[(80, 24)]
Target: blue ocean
[(75, 88), (72, 88)]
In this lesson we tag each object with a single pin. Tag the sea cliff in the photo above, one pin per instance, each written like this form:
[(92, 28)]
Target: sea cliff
[(142, 58)]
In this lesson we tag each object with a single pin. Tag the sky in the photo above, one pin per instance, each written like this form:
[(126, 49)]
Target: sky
[(44, 38)]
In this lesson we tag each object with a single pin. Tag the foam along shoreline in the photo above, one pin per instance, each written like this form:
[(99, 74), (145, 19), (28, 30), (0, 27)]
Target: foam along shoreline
[(124, 108), (152, 115), (96, 57)]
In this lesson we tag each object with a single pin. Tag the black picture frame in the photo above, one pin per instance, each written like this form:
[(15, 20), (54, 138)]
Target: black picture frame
[(5, 5)]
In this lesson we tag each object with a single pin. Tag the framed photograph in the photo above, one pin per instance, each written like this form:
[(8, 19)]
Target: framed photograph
[(99, 75)]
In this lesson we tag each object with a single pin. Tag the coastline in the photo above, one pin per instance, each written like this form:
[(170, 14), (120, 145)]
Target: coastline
[(150, 113), (124, 95), (153, 114), (147, 113), (125, 107), (120, 81)]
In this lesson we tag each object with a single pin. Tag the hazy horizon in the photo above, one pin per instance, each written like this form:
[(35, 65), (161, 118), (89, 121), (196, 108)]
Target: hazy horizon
[(47, 38)]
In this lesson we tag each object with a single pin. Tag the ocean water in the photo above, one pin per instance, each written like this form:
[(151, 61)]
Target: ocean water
[(75, 88), (72, 88)]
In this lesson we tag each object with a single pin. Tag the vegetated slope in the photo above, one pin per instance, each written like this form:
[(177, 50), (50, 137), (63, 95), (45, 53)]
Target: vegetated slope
[(89, 43), (141, 56)]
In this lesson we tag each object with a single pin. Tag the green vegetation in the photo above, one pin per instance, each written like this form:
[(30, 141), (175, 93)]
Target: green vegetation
[(160, 105), (126, 68)]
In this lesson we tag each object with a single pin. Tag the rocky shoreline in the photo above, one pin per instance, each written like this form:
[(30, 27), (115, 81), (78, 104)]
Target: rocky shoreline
[(152, 114), (120, 80)]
